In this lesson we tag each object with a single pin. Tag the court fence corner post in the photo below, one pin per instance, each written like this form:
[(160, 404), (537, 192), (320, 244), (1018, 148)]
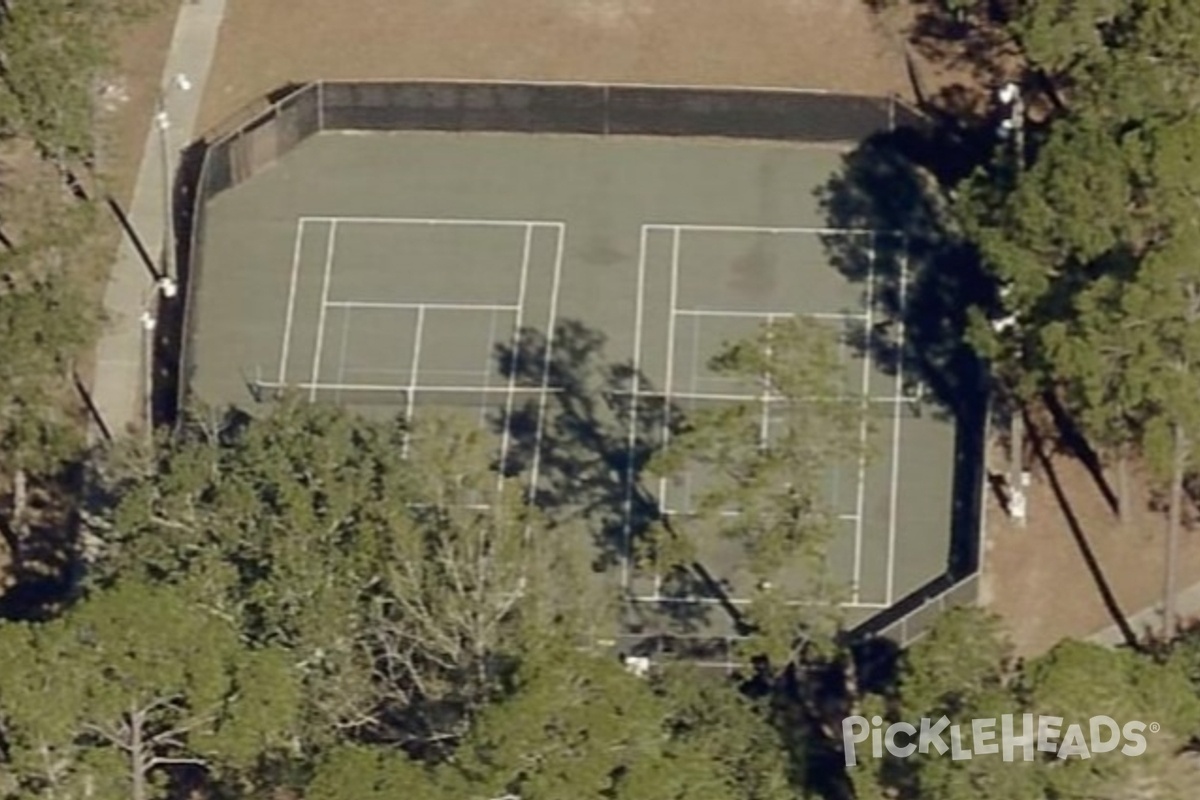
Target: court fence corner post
[(320, 106)]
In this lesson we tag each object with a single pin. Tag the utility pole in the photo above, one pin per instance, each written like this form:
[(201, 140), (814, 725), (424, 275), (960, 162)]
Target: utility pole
[(149, 323), (162, 121), (1012, 127)]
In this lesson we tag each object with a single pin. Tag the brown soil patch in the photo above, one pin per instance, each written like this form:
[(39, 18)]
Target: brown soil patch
[(826, 44), (136, 77), (955, 66), (1038, 577)]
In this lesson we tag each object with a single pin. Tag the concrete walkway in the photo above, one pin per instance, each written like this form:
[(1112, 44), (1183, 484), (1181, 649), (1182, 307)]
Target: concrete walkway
[(1149, 620), (119, 387)]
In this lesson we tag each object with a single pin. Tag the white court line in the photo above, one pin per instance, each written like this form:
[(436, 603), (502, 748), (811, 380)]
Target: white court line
[(693, 387), (415, 306), (510, 223), (669, 379), (754, 398), (506, 433), (413, 374), (535, 469), (633, 408), (733, 513), (740, 601), (865, 392), (764, 430), (717, 312), (285, 349), (401, 388), (760, 229), (316, 363), (891, 549), (341, 370), (487, 371)]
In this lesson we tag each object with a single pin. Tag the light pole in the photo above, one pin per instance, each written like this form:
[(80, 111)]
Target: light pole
[(1012, 126), (162, 122), (149, 323)]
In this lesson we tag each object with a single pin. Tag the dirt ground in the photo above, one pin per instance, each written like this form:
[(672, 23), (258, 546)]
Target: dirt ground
[(825, 44), (135, 81), (1038, 577)]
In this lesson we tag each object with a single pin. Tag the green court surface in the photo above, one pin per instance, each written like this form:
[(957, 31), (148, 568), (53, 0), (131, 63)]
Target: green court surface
[(568, 292)]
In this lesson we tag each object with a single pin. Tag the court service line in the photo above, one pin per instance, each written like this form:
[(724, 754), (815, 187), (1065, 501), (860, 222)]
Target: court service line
[(764, 429), (289, 317), (316, 362), (487, 371), (752, 398), (535, 469), (733, 513), (413, 374), (891, 548), (694, 387), (341, 368), (698, 228), (864, 392), (401, 388), (522, 286), (669, 379), (716, 312), (415, 306), (508, 223), (635, 380)]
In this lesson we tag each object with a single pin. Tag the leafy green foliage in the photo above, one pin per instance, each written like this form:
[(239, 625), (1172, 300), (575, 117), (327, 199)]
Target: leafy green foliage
[(578, 726), (766, 488), (400, 586), (962, 670), (53, 52), (1092, 242), (44, 322), (129, 682)]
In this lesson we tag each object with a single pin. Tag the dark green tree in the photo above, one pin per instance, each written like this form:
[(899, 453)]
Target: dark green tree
[(130, 684), (400, 587)]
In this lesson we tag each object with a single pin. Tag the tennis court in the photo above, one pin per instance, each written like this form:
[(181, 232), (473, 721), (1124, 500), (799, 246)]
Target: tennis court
[(568, 292)]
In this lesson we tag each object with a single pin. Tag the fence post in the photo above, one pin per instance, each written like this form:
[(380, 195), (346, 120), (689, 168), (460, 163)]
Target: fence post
[(320, 106)]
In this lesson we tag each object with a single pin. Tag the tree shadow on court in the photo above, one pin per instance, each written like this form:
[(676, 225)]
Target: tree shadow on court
[(921, 280), (589, 441), (923, 276)]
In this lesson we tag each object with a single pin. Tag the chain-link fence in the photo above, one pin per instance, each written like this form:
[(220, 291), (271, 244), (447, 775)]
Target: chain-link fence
[(266, 131), (262, 133), (253, 143)]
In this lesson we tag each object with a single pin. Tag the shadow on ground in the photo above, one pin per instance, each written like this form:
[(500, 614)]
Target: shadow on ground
[(42, 549)]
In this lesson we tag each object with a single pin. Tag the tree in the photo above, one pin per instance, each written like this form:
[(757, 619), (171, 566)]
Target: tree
[(1077, 681), (963, 670), (45, 321), (1090, 245), (51, 54), (1065, 38), (131, 683), (766, 487), (401, 587), (578, 725)]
